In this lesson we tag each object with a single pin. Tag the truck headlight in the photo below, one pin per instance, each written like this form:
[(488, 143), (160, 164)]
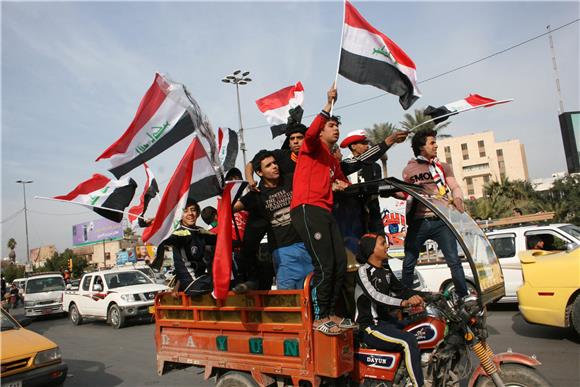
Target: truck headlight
[(128, 297), (47, 356)]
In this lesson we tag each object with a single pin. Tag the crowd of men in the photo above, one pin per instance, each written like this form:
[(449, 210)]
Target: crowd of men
[(300, 204)]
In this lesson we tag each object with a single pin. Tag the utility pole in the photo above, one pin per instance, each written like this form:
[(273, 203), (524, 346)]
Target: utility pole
[(24, 182), (556, 71)]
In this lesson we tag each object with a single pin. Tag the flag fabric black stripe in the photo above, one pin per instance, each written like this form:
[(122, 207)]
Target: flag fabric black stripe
[(376, 73), (231, 151), (206, 188), (118, 200), (278, 130), (182, 129), (434, 112)]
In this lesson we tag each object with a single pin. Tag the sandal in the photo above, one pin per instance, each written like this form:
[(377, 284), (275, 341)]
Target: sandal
[(347, 323), (326, 328)]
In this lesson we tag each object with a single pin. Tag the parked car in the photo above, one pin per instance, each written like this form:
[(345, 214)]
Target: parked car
[(551, 291), (114, 295), (43, 294), (28, 358), (508, 243)]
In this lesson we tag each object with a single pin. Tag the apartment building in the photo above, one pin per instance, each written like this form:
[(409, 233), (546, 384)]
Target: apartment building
[(478, 159)]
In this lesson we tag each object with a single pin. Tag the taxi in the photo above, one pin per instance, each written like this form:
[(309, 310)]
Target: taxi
[(550, 294), (28, 358)]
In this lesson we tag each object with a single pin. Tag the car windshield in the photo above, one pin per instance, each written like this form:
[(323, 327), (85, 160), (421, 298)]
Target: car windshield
[(126, 278), (572, 230), (8, 323), (147, 271), (47, 284)]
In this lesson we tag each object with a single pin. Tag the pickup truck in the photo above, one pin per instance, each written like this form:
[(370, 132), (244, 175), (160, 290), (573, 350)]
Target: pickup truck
[(114, 295)]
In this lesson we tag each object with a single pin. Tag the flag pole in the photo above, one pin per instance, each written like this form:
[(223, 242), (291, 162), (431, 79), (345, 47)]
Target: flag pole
[(461, 111), (339, 51), (85, 205)]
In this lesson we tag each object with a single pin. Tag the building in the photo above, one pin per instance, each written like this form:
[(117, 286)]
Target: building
[(39, 255), (103, 254), (478, 159)]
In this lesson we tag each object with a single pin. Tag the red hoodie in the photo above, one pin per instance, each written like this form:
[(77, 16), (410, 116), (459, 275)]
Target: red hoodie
[(316, 169)]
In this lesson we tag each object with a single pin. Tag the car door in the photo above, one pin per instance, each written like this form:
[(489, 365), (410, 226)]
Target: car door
[(504, 245), (98, 294), (84, 299)]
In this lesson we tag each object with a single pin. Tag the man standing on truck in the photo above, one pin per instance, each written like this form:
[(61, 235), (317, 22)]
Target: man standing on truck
[(191, 256), (437, 179)]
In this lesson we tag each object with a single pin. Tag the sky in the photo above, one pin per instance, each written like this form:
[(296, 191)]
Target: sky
[(73, 74)]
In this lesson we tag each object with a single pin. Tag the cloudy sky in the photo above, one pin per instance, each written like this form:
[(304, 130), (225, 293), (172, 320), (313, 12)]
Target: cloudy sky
[(73, 74)]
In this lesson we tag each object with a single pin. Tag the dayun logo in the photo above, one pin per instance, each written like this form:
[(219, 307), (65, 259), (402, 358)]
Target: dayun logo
[(424, 333), (377, 361), (155, 134), (383, 51)]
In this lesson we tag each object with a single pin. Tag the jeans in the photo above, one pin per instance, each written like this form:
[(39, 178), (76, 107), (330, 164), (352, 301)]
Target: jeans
[(433, 228), (292, 264)]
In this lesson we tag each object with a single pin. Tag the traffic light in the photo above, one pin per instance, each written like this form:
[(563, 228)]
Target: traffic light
[(70, 266)]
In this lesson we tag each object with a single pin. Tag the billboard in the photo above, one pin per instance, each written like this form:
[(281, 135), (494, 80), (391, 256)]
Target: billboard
[(570, 127), (96, 231)]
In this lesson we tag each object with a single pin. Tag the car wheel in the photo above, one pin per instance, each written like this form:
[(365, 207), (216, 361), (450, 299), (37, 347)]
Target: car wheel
[(575, 314), (116, 318), (75, 315)]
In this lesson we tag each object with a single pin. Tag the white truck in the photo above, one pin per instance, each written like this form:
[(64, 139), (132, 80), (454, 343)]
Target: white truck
[(43, 294), (114, 295)]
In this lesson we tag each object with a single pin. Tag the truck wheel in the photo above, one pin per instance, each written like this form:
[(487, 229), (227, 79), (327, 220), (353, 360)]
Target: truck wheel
[(116, 318), (515, 375), (75, 315), (236, 379), (575, 314)]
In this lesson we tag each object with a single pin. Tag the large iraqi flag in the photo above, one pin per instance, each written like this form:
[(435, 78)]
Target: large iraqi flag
[(472, 101), (369, 57), (106, 197), (167, 114), (195, 168), (276, 107), (227, 148)]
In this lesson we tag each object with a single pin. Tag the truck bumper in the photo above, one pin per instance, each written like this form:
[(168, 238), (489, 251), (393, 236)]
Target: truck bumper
[(43, 310), (136, 311)]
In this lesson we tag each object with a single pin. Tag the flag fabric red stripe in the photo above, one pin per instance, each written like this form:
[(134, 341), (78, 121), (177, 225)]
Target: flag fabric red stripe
[(96, 182), (136, 211), (222, 260), (354, 19), (476, 100), (279, 98), (147, 108), (220, 139)]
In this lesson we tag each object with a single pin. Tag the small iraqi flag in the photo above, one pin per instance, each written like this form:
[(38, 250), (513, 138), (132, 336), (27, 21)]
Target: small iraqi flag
[(276, 107), (472, 101), (150, 190), (166, 115), (227, 148), (369, 57), (106, 197)]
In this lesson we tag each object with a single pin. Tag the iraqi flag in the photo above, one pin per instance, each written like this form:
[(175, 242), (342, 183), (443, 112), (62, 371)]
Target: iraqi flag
[(276, 107), (227, 148), (150, 190), (166, 115), (194, 168), (222, 259), (472, 101), (106, 197), (369, 57)]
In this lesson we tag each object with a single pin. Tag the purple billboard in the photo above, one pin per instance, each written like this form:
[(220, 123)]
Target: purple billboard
[(96, 231)]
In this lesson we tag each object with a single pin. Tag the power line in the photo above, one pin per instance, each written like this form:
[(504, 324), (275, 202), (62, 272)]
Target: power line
[(60, 214), (11, 216), (443, 73)]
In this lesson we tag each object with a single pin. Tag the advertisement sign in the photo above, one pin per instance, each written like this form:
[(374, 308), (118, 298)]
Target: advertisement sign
[(96, 231), (393, 214), (126, 256)]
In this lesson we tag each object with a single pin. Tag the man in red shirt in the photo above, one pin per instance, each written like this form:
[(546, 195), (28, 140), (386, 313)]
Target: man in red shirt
[(317, 175)]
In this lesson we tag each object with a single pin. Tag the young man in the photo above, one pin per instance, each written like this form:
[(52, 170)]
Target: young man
[(272, 203), (191, 256), (378, 293), (317, 175), (437, 179)]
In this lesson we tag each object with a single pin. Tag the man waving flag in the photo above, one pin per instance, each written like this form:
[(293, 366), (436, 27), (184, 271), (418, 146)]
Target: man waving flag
[(369, 57), (166, 115)]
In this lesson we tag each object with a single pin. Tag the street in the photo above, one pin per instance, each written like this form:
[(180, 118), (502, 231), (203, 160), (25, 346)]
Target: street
[(98, 355)]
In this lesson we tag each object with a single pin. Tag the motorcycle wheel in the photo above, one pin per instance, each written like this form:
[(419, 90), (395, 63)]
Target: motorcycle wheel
[(516, 375), (375, 383)]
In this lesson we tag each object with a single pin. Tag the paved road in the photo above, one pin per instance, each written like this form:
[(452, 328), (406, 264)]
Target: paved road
[(99, 355)]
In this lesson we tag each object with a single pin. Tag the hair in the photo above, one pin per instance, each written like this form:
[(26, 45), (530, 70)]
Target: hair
[(518, 210), (366, 246), (533, 241), (208, 215), (295, 127), (233, 172), (257, 160), (420, 139), (335, 119), (192, 202)]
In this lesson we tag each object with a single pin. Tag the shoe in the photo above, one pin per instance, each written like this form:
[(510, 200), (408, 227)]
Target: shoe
[(244, 287)]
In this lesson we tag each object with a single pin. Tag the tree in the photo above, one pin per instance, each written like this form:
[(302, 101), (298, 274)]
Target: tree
[(12, 271), (565, 196), (12, 245), (377, 134), (59, 262), (411, 121)]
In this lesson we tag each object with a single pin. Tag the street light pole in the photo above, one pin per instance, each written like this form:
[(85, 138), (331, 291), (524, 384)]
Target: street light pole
[(24, 182), (239, 79)]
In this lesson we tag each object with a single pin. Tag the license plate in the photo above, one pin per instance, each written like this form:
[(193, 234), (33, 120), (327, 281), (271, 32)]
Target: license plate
[(13, 384), (46, 311)]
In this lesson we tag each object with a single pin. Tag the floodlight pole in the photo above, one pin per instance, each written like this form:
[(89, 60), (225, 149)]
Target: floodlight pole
[(239, 79)]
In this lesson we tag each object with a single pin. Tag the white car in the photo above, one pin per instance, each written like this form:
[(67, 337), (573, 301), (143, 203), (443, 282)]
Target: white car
[(113, 295), (43, 294), (509, 242)]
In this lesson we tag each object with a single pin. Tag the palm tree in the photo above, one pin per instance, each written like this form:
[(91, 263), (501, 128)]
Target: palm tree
[(411, 122), (12, 245), (377, 134)]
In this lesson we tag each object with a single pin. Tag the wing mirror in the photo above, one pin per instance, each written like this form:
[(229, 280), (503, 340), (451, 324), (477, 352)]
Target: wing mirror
[(68, 287)]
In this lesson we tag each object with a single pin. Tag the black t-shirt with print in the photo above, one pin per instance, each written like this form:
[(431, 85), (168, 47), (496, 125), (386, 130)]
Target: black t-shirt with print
[(273, 204)]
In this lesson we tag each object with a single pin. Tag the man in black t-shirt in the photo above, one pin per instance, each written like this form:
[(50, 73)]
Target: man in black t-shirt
[(272, 203)]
